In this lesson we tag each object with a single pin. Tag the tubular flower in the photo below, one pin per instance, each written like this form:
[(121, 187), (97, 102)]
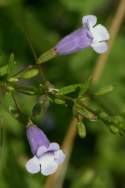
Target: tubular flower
[(89, 35), (47, 156)]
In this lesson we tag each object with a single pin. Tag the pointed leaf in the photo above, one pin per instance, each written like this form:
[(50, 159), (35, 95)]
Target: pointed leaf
[(11, 65), (3, 70), (104, 91), (28, 74), (81, 129), (69, 89)]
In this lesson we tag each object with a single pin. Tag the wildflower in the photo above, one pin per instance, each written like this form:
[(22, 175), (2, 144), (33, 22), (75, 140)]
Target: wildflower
[(47, 156), (87, 36)]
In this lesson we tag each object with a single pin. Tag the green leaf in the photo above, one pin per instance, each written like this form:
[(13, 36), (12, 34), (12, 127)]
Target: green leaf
[(40, 107), (30, 73), (3, 70), (72, 88), (11, 65), (81, 129), (59, 101), (13, 79), (87, 114), (37, 109), (69, 89), (104, 90), (114, 129)]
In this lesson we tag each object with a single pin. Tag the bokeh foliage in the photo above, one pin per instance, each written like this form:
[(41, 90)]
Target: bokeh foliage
[(97, 161)]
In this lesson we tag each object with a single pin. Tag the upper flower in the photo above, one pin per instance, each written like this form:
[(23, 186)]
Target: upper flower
[(47, 156), (87, 36)]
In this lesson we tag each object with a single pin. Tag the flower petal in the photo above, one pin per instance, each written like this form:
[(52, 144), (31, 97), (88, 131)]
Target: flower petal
[(59, 156), (53, 146), (33, 165), (48, 165), (89, 20), (100, 47), (41, 150), (100, 33)]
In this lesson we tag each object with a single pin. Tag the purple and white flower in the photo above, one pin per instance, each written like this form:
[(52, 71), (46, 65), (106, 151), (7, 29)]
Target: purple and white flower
[(47, 156), (89, 35)]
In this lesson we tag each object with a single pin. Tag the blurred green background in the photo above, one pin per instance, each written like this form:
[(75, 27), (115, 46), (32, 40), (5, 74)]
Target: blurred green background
[(98, 161)]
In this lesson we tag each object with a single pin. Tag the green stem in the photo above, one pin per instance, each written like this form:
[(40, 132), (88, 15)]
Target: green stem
[(16, 105)]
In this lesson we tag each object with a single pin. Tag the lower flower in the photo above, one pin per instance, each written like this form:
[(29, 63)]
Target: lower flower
[(47, 156)]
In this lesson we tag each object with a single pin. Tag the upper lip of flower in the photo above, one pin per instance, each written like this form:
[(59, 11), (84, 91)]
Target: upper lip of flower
[(42, 149), (99, 33)]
